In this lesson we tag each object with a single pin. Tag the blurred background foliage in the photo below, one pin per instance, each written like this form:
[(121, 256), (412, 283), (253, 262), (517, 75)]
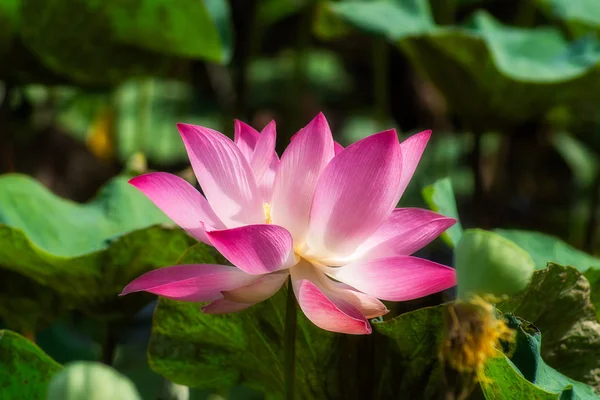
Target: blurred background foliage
[(91, 88)]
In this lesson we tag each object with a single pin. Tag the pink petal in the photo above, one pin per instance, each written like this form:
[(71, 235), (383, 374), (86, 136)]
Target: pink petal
[(255, 249), (195, 282), (223, 306), (412, 150), (264, 152), (259, 290), (334, 315), (180, 201), (245, 138), (369, 306), (297, 175), (337, 148), (324, 307), (355, 194), (404, 232), (396, 278), (224, 175)]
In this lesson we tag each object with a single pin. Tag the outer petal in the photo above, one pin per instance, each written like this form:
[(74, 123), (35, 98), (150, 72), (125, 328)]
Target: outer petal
[(255, 249), (245, 138), (328, 311), (396, 278), (180, 201), (356, 193), (223, 306), (194, 282), (412, 150), (224, 175), (259, 290), (404, 232), (297, 175)]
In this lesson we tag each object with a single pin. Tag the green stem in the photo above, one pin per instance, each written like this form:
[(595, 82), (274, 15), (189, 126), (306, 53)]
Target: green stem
[(289, 355), (381, 74), (109, 347)]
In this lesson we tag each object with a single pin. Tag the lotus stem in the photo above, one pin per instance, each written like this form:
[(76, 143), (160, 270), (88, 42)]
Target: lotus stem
[(289, 355)]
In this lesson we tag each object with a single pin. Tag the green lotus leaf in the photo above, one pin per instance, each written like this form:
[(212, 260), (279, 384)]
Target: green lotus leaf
[(526, 375), (99, 42), (85, 253), (558, 303), (581, 16), (492, 75), (25, 370)]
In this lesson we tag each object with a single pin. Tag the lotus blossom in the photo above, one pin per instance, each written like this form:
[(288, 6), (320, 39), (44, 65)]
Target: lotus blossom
[(323, 214)]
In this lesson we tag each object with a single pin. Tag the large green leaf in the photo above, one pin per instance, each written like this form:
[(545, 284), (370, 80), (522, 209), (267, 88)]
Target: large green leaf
[(25, 369), (85, 253), (187, 28), (440, 198), (98, 42), (544, 248), (581, 16), (558, 303), (487, 263), (218, 351), (527, 363), (412, 370), (510, 74), (526, 375)]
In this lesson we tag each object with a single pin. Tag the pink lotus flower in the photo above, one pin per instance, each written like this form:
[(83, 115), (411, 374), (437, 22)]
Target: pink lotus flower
[(321, 212)]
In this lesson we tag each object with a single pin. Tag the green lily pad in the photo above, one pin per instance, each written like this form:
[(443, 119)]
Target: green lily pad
[(217, 351), (558, 303), (102, 42), (545, 248), (440, 198), (25, 369), (526, 375), (511, 74), (85, 253)]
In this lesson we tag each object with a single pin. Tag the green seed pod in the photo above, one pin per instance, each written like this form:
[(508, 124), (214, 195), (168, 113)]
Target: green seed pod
[(84, 380), (488, 264)]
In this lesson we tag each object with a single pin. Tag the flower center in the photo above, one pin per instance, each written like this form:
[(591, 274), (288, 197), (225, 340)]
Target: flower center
[(267, 210)]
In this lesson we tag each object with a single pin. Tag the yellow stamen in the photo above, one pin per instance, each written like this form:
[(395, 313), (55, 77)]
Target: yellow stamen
[(474, 335), (267, 209)]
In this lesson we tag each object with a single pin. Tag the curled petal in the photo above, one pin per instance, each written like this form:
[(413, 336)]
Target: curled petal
[(224, 175), (355, 194), (259, 290), (396, 278), (255, 249), (180, 201), (194, 282), (297, 175), (325, 307), (224, 306)]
